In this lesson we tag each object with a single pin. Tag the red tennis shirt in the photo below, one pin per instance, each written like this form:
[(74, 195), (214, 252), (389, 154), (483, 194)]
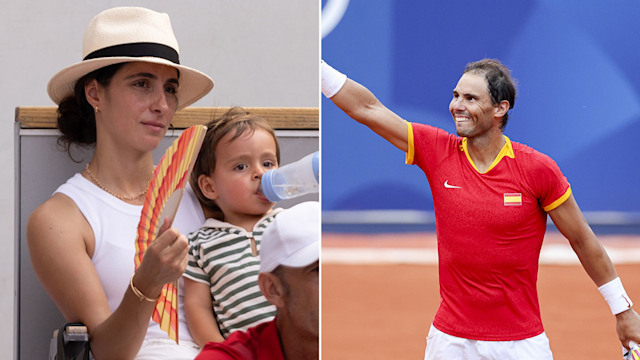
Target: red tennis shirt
[(260, 342), (490, 228)]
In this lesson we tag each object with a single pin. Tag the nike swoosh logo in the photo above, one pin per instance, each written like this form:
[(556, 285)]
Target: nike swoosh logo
[(448, 186)]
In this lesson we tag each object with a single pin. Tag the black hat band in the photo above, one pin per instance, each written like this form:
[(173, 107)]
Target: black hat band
[(140, 49)]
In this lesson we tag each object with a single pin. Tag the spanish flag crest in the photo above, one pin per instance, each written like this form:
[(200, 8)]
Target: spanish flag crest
[(512, 199)]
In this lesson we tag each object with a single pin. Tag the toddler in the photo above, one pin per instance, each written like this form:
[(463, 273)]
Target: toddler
[(221, 288)]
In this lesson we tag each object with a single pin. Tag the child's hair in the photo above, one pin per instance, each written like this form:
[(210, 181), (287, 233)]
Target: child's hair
[(238, 121)]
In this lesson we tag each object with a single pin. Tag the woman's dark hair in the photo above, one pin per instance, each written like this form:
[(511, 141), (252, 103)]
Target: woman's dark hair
[(76, 117), (238, 122), (501, 85)]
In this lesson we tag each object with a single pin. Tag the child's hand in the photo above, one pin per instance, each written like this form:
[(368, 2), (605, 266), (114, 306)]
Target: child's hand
[(164, 261)]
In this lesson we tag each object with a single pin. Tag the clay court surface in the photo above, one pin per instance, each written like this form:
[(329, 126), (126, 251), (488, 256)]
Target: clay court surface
[(379, 297)]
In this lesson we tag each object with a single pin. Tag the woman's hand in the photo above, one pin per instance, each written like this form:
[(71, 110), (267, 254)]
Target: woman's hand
[(164, 261)]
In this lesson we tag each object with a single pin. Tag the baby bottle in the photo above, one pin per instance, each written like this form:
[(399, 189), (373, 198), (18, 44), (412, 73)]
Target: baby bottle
[(292, 180)]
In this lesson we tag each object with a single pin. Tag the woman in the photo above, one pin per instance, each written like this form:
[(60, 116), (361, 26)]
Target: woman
[(122, 98)]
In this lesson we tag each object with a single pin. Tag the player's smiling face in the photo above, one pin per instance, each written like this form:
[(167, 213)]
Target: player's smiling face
[(471, 106)]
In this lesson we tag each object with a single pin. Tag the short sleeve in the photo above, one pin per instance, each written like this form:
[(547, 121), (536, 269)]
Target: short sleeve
[(194, 269), (428, 145), (551, 185)]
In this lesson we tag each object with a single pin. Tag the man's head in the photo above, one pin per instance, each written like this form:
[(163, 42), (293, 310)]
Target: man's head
[(500, 85), (289, 267)]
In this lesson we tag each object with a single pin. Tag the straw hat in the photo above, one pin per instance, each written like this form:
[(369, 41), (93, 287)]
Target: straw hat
[(126, 34)]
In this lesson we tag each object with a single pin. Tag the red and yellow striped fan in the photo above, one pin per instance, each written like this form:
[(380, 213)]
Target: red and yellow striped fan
[(634, 351), (162, 200)]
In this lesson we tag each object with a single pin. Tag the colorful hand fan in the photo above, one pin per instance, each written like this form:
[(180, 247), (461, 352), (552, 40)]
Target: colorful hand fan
[(162, 200), (634, 351)]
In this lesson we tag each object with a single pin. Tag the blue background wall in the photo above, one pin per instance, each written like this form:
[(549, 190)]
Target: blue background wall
[(576, 63)]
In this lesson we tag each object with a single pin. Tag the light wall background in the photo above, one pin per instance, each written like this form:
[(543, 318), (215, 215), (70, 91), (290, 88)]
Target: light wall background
[(258, 52)]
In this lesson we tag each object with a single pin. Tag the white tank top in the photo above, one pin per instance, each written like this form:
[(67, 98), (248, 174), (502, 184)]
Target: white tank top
[(114, 224)]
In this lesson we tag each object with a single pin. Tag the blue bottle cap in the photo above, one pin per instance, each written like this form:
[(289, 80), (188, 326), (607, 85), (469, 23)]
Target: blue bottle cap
[(267, 186)]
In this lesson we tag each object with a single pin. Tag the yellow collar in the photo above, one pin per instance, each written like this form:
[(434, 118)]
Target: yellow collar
[(507, 150)]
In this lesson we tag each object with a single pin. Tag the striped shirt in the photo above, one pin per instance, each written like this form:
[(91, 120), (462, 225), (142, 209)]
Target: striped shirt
[(220, 256)]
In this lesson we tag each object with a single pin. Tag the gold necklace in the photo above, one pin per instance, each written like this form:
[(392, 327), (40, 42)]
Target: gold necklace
[(121, 197)]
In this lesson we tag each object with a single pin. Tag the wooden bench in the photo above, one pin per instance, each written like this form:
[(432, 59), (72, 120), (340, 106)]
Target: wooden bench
[(44, 117)]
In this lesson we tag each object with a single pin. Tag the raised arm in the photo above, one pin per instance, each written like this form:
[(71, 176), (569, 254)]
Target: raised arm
[(361, 105), (61, 243), (569, 220)]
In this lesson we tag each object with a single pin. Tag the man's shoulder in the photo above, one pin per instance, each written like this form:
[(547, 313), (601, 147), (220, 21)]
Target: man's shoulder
[(526, 152), (429, 128), (431, 135), (534, 162), (240, 345)]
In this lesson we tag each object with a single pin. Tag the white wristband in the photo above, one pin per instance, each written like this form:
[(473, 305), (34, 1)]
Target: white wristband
[(332, 79), (613, 292)]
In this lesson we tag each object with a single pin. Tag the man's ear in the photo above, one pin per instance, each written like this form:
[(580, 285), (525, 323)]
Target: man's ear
[(501, 109), (205, 182), (272, 289)]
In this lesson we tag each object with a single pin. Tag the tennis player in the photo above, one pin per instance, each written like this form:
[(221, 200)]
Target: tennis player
[(491, 197)]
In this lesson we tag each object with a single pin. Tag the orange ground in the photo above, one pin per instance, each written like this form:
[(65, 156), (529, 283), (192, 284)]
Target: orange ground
[(384, 311)]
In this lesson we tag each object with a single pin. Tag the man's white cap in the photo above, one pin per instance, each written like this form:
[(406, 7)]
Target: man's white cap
[(293, 239)]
